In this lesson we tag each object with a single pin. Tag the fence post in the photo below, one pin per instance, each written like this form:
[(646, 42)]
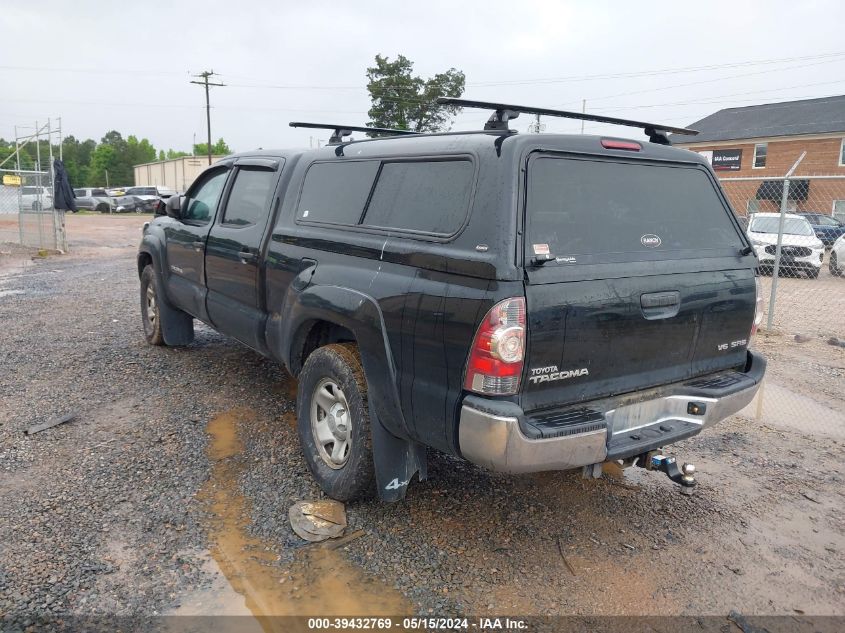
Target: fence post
[(783, 204)]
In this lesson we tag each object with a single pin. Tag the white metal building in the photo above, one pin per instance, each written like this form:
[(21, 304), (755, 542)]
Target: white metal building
[(176, 173)]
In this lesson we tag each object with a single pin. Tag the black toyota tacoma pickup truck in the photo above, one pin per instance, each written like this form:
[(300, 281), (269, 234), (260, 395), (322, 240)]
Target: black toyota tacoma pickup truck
[(525, 302)]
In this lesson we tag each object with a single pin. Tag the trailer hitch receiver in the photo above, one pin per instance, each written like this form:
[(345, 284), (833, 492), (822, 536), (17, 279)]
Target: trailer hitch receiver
[(683, 475)]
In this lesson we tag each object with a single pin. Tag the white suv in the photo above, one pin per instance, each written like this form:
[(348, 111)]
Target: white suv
[(801, 250), (36, 198), (836, 263)]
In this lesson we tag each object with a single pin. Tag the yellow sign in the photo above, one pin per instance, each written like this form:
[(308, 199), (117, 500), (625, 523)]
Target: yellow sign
[(11, 180)]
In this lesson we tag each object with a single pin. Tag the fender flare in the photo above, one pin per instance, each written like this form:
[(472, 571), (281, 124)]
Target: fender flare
[(397, 456)]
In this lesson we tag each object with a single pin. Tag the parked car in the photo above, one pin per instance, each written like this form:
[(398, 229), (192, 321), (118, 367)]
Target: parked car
[(462, 292), (151, 192), (116, 192), (127, 204), (826, 227), (801, 250), (836, 263), (152, 196), (36, 198), (94, 200)]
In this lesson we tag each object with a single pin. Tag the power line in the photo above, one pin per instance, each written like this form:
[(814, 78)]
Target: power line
[(574, 78), (705, 81), (206, 74), (717, 98)]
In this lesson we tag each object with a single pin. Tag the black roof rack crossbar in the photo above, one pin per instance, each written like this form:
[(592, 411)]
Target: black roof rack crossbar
[(339, 131), (504, 112)]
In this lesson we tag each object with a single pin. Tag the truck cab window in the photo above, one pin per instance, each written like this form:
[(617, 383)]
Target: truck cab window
[(248, 200), (202, 203)]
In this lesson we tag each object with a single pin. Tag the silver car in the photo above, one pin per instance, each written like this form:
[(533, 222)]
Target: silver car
[(94, 200)]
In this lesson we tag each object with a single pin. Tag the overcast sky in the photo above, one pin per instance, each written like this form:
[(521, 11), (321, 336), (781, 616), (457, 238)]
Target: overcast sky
[(127, 65)]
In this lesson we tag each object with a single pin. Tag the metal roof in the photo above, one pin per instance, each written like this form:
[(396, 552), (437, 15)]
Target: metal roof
[(788, 118)]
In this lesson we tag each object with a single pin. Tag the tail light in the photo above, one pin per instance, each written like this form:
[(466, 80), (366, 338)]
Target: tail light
[(498, 350), (758, 307)]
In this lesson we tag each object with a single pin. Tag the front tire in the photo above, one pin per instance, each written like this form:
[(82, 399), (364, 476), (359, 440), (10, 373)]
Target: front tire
[(150, 308), (334, 422)]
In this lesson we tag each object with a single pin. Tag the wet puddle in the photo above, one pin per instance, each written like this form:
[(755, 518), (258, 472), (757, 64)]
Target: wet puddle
[(321, 581)]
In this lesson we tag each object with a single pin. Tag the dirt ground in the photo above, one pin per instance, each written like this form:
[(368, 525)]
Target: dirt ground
[(168, 492)]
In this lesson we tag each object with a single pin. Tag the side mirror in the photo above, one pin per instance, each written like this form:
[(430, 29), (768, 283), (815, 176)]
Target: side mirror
[(173, 207)]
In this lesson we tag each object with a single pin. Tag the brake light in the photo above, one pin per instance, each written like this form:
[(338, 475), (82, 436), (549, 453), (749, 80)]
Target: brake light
[(627, 145), (758, 307), (498, 350)]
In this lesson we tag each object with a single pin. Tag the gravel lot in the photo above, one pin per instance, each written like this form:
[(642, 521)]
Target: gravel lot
[(168, 493)]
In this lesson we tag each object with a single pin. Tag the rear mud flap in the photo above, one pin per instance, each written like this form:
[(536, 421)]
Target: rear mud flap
[(396, 461)]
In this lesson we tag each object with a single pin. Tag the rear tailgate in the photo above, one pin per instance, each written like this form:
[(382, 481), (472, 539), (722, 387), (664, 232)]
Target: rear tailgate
[(646, 284)]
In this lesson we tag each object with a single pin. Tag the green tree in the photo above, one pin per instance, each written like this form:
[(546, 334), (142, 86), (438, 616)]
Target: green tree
[(77, 157), (7, 148), (407, 102), (217, 149), (139, 152), (172, 153), (104, 159)]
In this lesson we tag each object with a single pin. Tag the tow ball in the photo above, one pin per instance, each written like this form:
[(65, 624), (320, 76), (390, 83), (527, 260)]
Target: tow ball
[(683, 475)]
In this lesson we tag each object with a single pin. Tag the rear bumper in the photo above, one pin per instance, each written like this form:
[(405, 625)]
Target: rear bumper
[(493, 434)]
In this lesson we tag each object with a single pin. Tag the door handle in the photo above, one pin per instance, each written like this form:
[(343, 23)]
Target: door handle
[(660, 299), (246, 257), (660, 305)]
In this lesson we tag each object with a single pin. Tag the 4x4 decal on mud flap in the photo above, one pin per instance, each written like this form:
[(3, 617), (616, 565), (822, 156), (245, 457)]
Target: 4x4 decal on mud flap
[(396, 484)]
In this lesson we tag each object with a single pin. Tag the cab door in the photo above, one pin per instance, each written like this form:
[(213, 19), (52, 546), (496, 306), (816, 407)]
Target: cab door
[(185, 242), (234, 251)]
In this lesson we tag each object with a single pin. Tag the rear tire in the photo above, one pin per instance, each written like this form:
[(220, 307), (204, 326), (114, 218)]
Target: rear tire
[(833, 265), (102, 208), (813, 273), (334, 422)]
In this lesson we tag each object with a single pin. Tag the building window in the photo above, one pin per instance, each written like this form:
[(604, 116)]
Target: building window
[(760, 150), (839, 210), (842, 153)]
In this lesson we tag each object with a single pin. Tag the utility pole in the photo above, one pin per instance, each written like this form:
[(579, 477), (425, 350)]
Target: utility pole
[(205, 76), (583, 111), (536, 127)]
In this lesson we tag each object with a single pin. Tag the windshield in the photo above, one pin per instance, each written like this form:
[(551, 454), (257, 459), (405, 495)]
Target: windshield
[(582, 211), (791, 226)]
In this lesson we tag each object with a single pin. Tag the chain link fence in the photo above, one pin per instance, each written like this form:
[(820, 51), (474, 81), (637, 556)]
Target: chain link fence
[(795, 224), (27, 216)]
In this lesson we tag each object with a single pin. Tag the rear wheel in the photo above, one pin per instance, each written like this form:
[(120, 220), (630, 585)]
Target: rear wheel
[(813, 273), (102, 208), (833, 265), (334, 422)]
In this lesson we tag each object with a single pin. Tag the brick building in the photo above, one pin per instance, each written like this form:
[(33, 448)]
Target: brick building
[(752, 148)]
